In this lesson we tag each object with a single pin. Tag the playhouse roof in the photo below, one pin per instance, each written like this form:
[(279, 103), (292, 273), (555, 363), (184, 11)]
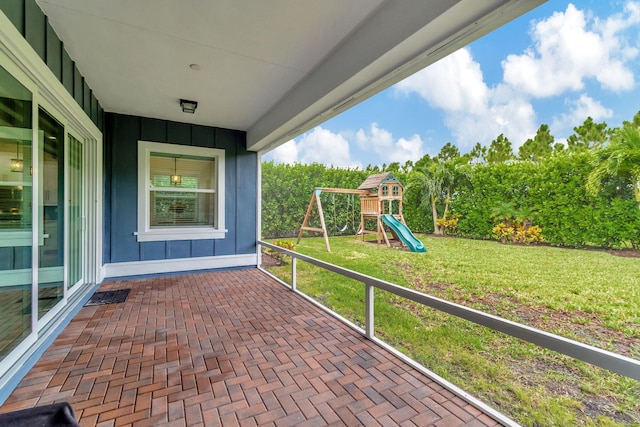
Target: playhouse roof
[(377, 179)]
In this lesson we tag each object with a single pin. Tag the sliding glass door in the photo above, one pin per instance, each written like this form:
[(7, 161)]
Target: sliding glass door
[(16, 215), (50, 205), (42, 214)]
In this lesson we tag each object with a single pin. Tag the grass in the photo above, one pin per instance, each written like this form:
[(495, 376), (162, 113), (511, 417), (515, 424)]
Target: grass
[(589, 296)]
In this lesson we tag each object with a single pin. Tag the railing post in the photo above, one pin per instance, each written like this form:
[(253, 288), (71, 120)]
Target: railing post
[(617, 363), (369, 315), (293, 273)]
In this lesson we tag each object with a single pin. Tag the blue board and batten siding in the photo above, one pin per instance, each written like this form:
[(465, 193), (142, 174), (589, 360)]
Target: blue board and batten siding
[(122, 133), (34, 26), (31, 22)]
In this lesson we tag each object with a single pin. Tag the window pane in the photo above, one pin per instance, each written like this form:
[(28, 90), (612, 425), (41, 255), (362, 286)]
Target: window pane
[(76, 211), (194, 172), (171, 209), (15, 203), (15, 212), (51, 203)]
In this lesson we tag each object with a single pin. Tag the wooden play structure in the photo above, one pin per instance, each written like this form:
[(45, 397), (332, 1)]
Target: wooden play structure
[(380, 195), (383, 194)]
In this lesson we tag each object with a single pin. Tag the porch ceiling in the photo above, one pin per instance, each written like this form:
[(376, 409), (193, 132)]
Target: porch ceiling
[(272, 68)]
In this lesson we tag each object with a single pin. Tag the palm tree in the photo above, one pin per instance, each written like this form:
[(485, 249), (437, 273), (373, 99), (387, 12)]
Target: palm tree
[(429, 186), (621, 158), (455, 172), (504, 212), (436, 183)]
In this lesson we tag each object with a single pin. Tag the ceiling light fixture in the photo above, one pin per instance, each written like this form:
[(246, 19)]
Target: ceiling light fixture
[(175, 178), (17, 164), (188, 106)]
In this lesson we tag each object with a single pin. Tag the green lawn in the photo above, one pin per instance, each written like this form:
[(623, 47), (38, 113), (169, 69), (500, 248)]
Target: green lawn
[(589, 296)]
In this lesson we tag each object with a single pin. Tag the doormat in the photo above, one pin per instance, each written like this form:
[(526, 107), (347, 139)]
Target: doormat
[(108, 297)]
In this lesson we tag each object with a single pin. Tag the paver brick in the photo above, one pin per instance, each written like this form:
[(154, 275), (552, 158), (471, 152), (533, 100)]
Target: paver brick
[(115, 413), (229, 348)]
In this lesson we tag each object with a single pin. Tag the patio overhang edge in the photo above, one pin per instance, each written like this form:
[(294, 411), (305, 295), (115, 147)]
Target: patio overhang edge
[(337, 84)]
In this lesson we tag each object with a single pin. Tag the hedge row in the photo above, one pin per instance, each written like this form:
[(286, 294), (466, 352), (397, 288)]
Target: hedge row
[(554, 194), (287, 190), (551, 192)]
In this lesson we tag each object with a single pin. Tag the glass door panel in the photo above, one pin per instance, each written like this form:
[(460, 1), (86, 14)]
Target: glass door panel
[(16, 213), (76, 211), (51, 203)]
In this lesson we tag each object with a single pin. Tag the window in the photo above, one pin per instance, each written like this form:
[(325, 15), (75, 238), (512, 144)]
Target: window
[(16, 214), (180, 192), (385, 190), (396, 190)]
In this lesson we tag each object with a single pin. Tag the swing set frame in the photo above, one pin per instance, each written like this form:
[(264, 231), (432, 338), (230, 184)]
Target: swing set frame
[(315, 199), (372, 206)]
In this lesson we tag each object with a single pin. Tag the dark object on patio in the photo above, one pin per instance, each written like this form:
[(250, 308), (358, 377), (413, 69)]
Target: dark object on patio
[(58, 414), (108, 297)]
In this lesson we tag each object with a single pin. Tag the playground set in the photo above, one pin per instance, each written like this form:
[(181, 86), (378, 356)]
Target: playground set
[(380, 196)]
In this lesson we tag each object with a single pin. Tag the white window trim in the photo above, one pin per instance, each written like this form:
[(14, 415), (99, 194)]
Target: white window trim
[(147, 234)]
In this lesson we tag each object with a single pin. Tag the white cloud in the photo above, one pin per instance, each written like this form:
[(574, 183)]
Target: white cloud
[(455, 83), (382, 143), (473, 111), (568, 49), (323, 146), (579, 110), (316, 146), (377, 139), (617, 23), (567, 52), (286, 153)]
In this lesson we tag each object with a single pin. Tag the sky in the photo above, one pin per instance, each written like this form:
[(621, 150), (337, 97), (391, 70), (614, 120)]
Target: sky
[(556, 65)]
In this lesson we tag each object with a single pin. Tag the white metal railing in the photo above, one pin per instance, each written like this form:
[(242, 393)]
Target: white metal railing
[(605, 359)]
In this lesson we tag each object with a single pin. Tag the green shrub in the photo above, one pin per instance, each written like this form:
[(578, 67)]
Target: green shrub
[(279, 256), (448, 225), (516, 232)]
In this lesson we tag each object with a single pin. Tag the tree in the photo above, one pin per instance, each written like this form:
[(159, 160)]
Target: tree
[(500, 150), (393, 167), (448, 152), (620, 158), (635, 122), (478, 153), (423, 162), (429, 187), (437, 185), (589, 135), (407, 167), (539, 147), (558, 148), (454, 174), (434, 185)]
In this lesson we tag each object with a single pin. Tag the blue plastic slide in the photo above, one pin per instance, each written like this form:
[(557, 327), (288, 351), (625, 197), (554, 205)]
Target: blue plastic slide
[(403, 233)]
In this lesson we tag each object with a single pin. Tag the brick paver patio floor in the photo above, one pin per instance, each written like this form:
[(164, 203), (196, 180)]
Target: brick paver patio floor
[(229, 348)]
